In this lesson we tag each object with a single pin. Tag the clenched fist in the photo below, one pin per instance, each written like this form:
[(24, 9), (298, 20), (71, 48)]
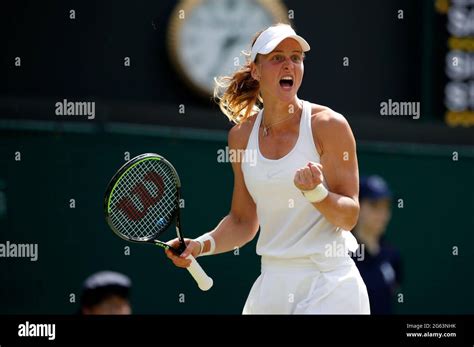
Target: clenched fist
[(308, 177)]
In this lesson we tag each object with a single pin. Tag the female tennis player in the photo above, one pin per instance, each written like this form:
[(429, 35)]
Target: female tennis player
[(302, 190)]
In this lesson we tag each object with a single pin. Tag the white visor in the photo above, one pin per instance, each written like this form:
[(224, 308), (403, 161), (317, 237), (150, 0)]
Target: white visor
[(270, 38)]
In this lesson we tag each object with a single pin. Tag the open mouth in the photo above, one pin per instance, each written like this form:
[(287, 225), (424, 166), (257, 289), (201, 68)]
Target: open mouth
[(286, 82)]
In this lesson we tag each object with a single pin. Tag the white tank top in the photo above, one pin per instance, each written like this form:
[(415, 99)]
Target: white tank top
[(290, 226)]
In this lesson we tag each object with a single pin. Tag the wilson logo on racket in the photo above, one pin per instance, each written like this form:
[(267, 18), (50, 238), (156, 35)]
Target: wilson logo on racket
[(142, 201), (147, 200)]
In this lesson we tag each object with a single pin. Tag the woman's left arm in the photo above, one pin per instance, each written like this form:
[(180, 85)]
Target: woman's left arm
[(337, 148)]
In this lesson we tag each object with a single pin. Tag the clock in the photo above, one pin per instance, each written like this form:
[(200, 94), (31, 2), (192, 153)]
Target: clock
[(206, 37)]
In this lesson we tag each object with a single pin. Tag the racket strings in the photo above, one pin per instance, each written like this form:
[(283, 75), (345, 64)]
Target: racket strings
[(144, 200), (145, 228)]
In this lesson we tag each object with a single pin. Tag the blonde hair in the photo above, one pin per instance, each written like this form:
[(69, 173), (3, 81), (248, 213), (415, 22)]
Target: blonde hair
[(238, 95)]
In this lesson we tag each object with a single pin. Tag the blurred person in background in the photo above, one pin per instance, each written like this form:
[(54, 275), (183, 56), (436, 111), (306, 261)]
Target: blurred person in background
[(106, 292), (380, 265)]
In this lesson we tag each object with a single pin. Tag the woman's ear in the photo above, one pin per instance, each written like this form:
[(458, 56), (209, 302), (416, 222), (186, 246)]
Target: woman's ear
[(254, 71)]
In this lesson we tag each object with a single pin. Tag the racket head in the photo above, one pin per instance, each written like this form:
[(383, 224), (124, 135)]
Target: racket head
[(142, 198)]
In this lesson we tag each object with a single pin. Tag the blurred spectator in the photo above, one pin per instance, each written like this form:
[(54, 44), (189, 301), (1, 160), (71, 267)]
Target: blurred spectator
[(106, 292), (380, 266)]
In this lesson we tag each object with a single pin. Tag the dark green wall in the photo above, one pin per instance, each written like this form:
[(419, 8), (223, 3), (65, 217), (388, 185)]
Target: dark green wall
[(55, 167)]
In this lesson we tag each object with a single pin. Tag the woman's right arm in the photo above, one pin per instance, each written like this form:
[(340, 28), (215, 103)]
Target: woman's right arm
[(241, 224)]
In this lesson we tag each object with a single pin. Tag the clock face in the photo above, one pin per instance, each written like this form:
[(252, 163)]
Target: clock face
[(207, 40)]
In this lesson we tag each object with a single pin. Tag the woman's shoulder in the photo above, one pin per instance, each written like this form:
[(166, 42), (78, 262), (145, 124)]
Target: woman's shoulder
[(239, 134), (326, 119), (328, 126), (324, 114)]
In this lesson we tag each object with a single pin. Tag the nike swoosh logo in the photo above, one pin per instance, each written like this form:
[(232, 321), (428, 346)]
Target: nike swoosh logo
[(273, 174)]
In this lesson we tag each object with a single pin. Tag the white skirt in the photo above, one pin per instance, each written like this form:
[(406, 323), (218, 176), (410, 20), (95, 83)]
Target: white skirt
[(313, 285)]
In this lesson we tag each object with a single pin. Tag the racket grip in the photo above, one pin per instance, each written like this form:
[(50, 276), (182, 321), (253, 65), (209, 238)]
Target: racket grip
[(203, 280)]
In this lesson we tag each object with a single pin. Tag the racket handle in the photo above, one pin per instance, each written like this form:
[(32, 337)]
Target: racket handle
[(203, 280)]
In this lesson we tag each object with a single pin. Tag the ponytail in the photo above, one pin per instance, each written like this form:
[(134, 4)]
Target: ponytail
[(239, 95)]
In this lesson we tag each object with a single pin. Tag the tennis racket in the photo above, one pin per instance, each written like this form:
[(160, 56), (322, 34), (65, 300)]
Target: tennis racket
[(141, 203)]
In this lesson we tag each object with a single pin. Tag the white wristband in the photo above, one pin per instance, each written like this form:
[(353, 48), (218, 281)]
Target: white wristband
[(318, 194), (203, 238)]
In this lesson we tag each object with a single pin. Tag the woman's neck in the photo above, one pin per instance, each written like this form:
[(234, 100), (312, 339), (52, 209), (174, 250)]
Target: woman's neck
[(276, 112)]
